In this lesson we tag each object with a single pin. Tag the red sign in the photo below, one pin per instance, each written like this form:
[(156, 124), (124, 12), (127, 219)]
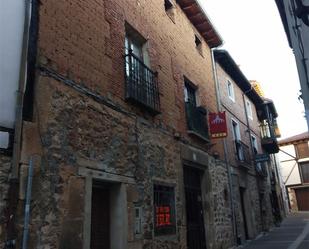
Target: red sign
[(217, 125), (163, 216)]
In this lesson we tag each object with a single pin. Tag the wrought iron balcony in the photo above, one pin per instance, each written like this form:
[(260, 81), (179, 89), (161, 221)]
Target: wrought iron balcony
[(243, 153), (141, 84), (196, 121), (269, 138)]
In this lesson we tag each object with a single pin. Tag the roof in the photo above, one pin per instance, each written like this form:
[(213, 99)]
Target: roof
[(280, 5), (271, 106), (201, 22), (232, 69), (294, 139)]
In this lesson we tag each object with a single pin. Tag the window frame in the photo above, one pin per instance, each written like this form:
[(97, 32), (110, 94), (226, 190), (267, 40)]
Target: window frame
[(168, 230), (230, 90), (249, 108)]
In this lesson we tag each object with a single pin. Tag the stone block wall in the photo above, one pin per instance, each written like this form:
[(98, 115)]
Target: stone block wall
[(5, 167)]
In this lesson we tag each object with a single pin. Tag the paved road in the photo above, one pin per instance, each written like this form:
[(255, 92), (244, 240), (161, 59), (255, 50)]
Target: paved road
[(292, 234)]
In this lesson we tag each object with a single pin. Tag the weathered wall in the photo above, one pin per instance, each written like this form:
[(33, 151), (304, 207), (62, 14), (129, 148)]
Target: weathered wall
[(5, 166), (74, 131)]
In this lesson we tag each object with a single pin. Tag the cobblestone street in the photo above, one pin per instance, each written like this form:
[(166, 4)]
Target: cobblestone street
[(292, 234)]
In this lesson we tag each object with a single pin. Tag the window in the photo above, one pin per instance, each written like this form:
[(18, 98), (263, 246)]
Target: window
[(196, 115), (238, 144), (302, 150), (254, 144), (304, 167), (141, 81), (164, 210), (198, 44), (169, 9), (230, 90), (168, 5), (249, 109)]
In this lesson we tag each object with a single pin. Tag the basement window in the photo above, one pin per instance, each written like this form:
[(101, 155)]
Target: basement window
[(198, 44), (164, 210)]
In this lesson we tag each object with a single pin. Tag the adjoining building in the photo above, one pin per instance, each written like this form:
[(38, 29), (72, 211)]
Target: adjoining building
[(295, 18), (294, 163), (115, 148), (249, 149)]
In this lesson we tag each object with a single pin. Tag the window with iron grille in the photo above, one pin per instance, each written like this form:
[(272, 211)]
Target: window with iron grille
[(196, 115), (164, 210), (141, 81)]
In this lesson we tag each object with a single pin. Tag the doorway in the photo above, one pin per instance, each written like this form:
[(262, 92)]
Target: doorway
[(100, 217), (194, 208)]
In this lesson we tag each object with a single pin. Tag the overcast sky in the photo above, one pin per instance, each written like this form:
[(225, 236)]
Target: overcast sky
[(254, 36)]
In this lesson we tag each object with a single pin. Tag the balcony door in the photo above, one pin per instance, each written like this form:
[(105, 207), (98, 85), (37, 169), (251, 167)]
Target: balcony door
[(237, 138)]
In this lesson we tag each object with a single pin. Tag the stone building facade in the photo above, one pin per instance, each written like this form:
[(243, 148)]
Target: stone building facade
[(116, 131)]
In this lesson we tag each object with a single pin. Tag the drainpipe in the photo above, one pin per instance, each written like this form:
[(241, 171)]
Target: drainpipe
[(13, 189), (219, 106), (27, 205)]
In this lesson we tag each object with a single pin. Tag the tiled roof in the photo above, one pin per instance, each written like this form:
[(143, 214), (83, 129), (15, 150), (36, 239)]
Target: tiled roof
[(294, 139)]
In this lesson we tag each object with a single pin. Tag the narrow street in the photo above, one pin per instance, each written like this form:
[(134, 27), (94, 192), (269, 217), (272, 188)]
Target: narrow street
[(292, 234)]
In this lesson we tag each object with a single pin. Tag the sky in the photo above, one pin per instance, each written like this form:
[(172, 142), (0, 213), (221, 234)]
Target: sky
[(254, 36)]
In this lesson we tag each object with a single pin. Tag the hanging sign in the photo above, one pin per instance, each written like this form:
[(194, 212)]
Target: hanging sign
[(217, 125)]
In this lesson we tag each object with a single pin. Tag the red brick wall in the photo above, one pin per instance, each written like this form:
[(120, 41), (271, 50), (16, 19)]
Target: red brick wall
[(84, 40)]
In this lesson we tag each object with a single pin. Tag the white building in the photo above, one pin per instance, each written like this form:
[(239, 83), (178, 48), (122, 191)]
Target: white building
[(295, 18), (294, 162)]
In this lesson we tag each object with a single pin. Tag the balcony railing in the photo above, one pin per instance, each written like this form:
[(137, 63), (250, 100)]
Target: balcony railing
[(141, 84), (196, 120), (243, 153), (269, 138)]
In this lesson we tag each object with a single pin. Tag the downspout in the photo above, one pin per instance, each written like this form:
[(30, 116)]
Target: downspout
[(13, 189), (27, 205), (219, 106)]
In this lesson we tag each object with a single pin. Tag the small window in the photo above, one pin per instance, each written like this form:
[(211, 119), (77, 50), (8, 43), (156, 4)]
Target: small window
[(198, 44), (164, 210), (304, 167), (249, 109), (230, 90), (169, 9), (168, 5)]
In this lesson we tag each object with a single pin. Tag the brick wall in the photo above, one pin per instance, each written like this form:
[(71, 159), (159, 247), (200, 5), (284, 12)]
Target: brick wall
[(85, 42)]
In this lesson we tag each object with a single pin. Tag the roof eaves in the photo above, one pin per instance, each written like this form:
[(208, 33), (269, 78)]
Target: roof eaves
[(201, 21)]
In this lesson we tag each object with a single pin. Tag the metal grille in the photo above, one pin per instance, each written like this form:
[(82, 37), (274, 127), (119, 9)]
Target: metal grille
[(196, 120), (164, 210), (194, 210), (141, 83), (242, 152)]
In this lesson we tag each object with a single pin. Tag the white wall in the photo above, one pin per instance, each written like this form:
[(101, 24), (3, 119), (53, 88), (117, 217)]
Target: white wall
[(303, 30), (11, 32), (288, 166)]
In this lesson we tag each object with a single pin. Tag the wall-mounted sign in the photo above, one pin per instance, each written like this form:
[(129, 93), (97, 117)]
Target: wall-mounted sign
[(163, 216), (261, 158), (217, 125)]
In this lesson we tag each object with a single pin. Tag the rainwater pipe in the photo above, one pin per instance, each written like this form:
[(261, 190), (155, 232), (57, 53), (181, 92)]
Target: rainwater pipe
[(230, 180), (27, 205), (13, 189)]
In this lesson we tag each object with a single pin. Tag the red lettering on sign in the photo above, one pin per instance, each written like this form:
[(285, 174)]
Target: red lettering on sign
[(163, 216)]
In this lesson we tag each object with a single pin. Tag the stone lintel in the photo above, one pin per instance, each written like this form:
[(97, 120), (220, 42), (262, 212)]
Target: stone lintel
[(101, 175), (194, 156)]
